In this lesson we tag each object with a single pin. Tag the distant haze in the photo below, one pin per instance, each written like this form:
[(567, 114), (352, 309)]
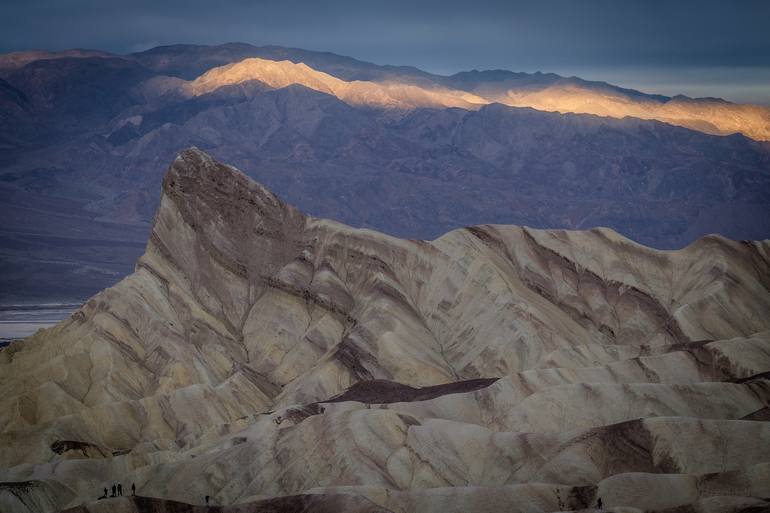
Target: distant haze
[(692, 47), (737, 84)]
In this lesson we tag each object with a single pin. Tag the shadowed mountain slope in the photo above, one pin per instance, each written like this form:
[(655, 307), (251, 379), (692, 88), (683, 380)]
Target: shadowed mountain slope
[(81, 206), (15, 60), (85, 137)]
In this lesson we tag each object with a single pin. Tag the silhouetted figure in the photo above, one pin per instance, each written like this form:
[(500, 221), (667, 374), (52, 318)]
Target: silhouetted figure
[(120, 489), (105, 493), (207, 500), (114, 491), (599, 503), (133, 488)]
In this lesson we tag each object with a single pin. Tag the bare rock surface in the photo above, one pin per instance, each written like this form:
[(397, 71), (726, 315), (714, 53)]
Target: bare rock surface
[(262, 356)]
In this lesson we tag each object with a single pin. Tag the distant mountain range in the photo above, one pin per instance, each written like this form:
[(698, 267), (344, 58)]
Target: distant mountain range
[(85, 136)]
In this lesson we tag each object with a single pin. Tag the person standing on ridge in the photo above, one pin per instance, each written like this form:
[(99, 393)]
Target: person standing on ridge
[(114, 491), (120, 490), (133, 489)]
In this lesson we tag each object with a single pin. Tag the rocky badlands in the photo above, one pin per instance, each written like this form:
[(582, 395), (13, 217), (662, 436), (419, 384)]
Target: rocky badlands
[(278, 362)]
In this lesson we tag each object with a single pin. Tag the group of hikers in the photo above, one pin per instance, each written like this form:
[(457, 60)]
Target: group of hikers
[(117, 491)]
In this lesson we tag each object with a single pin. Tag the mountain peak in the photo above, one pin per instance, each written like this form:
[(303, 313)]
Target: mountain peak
[(211, 212), (280, 74), (191, 163), (197, 182)]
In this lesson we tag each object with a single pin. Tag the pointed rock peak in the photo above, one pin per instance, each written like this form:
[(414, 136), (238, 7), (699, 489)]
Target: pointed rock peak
[(213, 211), (193, 165), (210, 194), (197, 178), (276, 74)]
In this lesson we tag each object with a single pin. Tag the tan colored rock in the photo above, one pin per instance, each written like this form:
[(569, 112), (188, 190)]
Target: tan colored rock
[(223, 366)]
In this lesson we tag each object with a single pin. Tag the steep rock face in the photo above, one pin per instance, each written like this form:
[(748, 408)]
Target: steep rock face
[(220, 366)]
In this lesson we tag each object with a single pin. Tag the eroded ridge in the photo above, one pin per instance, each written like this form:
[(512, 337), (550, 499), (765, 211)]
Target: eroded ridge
[(257, 353)]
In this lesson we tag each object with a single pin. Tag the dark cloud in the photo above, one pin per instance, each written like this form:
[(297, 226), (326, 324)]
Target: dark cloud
[(442, 36)]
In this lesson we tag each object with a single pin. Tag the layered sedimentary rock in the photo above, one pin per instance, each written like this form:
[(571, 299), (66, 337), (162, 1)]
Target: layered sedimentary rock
[(257, 353)]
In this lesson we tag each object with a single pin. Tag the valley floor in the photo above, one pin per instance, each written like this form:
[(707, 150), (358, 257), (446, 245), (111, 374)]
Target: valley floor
[(20, 321)]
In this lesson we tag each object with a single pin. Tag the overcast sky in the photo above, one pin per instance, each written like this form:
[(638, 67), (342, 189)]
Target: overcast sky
[(694, 47)]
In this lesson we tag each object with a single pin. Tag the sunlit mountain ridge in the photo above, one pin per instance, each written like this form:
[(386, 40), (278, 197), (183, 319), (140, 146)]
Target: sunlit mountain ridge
[(278, 74), (573, 95), (361, 83), (546, 92)]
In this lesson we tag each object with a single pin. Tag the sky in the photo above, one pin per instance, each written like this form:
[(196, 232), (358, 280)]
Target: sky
[(693, 47)]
